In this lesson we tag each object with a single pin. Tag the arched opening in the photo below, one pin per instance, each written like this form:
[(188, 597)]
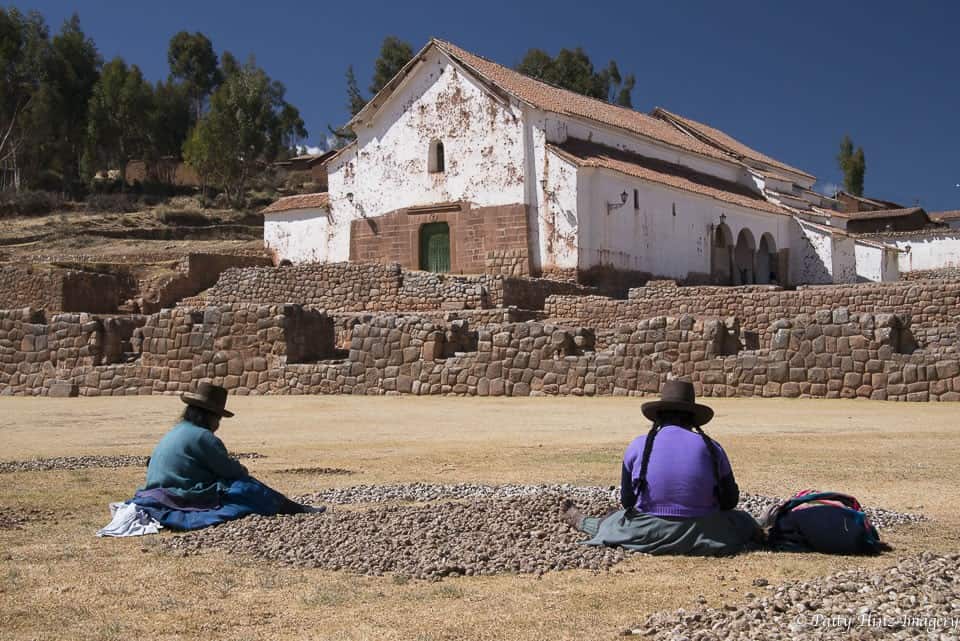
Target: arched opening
[(436, 163), (435, 247), (721, 246), (744, 269), (767, 262)]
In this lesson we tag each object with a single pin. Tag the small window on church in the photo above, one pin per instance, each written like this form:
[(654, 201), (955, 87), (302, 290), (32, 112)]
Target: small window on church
[(436, 163), (636, 199)]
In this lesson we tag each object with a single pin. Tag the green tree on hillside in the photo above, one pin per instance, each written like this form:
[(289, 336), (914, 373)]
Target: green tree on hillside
[(248, 124), (193, 62), (73, 73), (24, 57), (118, 127), (853, 164)]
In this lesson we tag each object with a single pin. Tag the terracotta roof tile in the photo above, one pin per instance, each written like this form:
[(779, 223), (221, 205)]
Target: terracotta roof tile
[(301, 201), (945, 215), (726, 142), (877, 213), (590, 154), (561, 101)]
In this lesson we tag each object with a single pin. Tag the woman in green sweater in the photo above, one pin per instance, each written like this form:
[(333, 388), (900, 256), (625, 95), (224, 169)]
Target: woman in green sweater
[(191, 471)]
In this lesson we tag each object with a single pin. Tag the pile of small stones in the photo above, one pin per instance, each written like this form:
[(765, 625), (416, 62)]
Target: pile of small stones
[(522, 534), (449, 530), (85, 462), (917, 598), (755, 504)]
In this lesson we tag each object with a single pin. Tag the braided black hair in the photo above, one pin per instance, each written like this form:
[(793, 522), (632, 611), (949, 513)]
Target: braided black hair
[(684, 419)]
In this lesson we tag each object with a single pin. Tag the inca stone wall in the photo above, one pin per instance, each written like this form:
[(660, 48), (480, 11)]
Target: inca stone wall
[(251, 349), (48, 287), (376, 287), (931, 306)]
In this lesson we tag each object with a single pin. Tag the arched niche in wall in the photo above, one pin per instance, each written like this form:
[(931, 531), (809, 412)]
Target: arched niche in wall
[(768, 266), (744, 267), (721, 255)]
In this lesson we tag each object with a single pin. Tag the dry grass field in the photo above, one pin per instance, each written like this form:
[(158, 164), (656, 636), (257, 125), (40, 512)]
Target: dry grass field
[(57, 581)]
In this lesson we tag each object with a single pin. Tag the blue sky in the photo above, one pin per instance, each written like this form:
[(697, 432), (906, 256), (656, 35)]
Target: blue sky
[(787, 78)]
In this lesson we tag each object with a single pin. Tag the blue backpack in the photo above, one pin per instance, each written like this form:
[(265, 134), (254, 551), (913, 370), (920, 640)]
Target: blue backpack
[(828, 522)]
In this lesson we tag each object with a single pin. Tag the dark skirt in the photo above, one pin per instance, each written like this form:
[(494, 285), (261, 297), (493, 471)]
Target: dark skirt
[(719, 534)]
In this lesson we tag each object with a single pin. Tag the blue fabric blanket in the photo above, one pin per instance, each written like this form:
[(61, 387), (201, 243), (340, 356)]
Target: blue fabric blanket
[(241, 498)]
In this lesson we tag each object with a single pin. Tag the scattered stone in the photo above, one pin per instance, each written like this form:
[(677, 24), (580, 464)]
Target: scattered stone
[(15, 519), (321, 471), (86, 462), (919, 597), (429, 531)]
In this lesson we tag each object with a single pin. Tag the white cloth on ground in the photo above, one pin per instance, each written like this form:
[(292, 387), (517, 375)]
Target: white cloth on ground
[(130, 520)]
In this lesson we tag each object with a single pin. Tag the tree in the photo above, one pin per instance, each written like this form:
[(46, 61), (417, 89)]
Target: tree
[(573, 70), (118, 127), (249, 122), (170, 119), (193, 61), (355, 99), (853, 164), (24, 56), (394, 54), (73, 73)]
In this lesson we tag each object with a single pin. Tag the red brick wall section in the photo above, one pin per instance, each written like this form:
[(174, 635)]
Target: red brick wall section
[(477, 235)]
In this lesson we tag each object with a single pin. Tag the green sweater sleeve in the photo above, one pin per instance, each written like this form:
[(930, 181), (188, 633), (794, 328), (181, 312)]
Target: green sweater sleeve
[(216, 458)]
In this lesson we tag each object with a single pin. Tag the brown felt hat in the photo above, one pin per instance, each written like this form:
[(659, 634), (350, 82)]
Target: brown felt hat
[(210, 397), (678, 396)]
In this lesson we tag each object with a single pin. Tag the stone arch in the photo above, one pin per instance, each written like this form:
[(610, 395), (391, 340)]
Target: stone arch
[(744, 259), (721, 255), (768, 266)]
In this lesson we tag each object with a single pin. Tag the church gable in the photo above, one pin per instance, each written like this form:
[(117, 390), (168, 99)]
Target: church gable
[(439, 136)]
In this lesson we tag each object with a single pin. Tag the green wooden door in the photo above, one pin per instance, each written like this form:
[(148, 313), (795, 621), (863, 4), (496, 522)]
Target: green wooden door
[(435, 247)]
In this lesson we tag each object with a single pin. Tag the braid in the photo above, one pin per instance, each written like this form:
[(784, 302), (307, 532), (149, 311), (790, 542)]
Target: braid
[(714, 458), (647, 448)]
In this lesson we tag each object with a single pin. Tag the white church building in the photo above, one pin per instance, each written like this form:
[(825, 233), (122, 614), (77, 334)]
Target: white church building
[(463, 165)]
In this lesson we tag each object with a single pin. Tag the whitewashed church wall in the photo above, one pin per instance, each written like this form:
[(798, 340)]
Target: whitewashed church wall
[(928, 251), (483, 143), (870, 261), (811, 255), (668, 234), (305, 235)]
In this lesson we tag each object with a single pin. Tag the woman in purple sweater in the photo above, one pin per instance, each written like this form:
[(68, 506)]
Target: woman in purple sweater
[(677, 488)]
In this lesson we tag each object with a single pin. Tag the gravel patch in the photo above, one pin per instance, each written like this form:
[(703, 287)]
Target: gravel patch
[(431, 531), (917, 598), (86, 462), (320, 471), (15, 519)]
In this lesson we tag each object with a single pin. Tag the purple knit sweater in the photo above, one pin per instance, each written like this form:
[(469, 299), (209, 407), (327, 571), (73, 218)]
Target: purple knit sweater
[(680, 478)]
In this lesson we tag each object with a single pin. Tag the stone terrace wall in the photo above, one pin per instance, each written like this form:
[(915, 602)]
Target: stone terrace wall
[(234, 346), (57, 289), (249, 349), (375, 287), (197, 272), (930, 305)]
